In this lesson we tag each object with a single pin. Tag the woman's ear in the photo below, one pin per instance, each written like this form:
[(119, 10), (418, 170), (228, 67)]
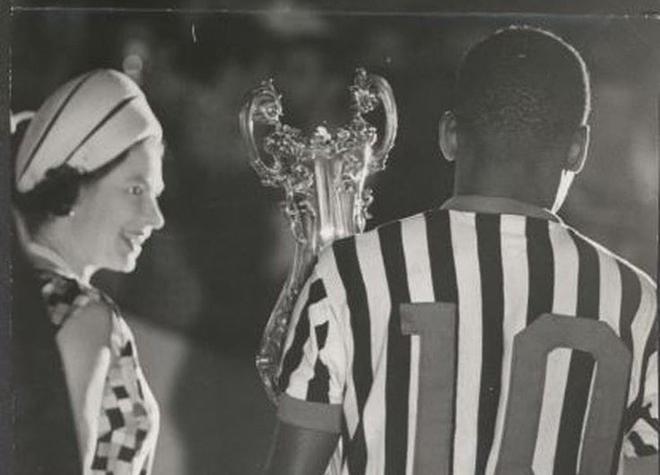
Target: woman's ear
[(448, 136)]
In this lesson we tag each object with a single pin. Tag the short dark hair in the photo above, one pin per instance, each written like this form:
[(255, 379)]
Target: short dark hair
[(56, 194), (521, 89)]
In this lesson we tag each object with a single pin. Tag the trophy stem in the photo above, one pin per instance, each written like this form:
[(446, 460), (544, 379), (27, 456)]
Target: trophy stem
[(323, 178), (268, 359)]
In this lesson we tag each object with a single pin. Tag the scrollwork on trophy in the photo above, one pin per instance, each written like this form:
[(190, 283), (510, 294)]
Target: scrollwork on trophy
[(323, 178)]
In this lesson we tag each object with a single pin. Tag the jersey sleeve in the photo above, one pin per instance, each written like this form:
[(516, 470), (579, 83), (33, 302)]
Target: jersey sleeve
[(641, 421), (312, 375)]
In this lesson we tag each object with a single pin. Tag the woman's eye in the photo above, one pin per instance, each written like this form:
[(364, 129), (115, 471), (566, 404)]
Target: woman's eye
[(136, 190)]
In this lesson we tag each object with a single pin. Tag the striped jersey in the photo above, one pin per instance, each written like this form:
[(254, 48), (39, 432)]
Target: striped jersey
[(461, 342)]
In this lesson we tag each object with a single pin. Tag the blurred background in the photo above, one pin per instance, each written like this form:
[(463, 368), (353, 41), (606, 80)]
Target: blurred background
[(206, 283)]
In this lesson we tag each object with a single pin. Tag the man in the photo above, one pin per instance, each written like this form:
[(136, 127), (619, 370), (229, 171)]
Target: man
[(486, 336)]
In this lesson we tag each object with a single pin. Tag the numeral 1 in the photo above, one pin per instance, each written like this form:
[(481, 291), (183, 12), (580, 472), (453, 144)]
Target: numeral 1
[(435, 323)]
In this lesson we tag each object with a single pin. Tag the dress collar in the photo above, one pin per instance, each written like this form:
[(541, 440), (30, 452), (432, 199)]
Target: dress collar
[(45, 258), (499, 205), (42, 257)]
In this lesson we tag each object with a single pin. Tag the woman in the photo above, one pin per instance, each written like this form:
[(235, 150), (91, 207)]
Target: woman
[(87, 178)]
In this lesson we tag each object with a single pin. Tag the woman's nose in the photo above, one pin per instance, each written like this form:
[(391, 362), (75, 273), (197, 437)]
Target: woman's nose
[(155, 215)]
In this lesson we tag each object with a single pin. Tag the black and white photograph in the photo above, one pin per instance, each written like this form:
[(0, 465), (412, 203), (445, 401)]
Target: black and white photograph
[(298, 240)]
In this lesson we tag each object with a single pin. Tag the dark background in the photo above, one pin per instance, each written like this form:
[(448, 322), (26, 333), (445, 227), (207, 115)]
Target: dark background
[(572, 7), (205, 283)]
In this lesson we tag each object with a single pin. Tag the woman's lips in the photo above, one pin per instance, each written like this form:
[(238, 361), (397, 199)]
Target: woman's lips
[(134, 241)]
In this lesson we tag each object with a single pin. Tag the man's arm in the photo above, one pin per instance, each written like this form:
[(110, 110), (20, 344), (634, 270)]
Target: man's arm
[(312, 380), (640, 445), (299, 451)]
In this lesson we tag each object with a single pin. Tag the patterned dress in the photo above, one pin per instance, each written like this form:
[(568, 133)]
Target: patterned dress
[(128, 416)]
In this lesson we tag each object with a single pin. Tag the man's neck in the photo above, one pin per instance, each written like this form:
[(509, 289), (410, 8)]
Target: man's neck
[(498, 205), (535, 185)]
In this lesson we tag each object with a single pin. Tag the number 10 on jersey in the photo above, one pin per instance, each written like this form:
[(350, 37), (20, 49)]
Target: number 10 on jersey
[(435, 324)]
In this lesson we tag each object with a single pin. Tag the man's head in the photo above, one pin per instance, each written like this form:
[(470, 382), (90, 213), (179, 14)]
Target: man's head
[(518, 124)]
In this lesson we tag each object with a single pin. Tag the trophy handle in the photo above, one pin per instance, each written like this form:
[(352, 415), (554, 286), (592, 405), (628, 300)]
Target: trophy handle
[(368, 90), (263, 105), (386, 96)]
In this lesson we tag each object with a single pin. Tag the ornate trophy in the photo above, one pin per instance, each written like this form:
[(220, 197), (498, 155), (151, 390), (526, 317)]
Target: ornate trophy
[(323, 179)]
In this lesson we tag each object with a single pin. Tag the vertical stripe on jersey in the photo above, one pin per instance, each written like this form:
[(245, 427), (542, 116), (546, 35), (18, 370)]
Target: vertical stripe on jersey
[(319, 386), (650, 348), (565, 257), (637, 304), (492, 298), (515, 287), (398, 353), (378, 302), (294, 354), (640, 333), (464, 242), (439, 240), (420, 288), (637, 409), (356, 299), (609, 291), (443, 274), (582, 364), (630, 300), (541, 270), (417, 260), (609, 311)]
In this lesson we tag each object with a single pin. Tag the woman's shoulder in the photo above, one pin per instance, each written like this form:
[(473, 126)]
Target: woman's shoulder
[(76, 307), (91, 321)]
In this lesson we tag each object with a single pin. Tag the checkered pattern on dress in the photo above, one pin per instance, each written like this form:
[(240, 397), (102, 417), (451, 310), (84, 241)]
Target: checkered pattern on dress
[(125, 417)]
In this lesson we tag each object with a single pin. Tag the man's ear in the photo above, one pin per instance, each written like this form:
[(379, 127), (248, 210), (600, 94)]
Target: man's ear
[(448, 136), (577, 150)]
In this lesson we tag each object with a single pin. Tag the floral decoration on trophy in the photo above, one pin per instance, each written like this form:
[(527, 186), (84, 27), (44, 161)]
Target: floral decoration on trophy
[(323, 178)]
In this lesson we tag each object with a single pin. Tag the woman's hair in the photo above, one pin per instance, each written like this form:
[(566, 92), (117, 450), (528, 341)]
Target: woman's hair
[(58, 192)]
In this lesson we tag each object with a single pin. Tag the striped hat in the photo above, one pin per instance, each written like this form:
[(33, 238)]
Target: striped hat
[(85, 124)]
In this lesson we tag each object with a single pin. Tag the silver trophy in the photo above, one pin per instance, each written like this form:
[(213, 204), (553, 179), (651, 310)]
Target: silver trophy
[(323, 177)]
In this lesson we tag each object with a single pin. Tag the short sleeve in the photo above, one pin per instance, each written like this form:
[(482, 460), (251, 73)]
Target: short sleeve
[(641, 422), (312, 375)]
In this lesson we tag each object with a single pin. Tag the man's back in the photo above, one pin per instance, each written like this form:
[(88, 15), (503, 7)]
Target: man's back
[(425, 343)]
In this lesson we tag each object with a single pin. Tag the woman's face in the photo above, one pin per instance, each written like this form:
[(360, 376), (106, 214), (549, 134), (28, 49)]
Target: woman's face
[(116, 214)]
